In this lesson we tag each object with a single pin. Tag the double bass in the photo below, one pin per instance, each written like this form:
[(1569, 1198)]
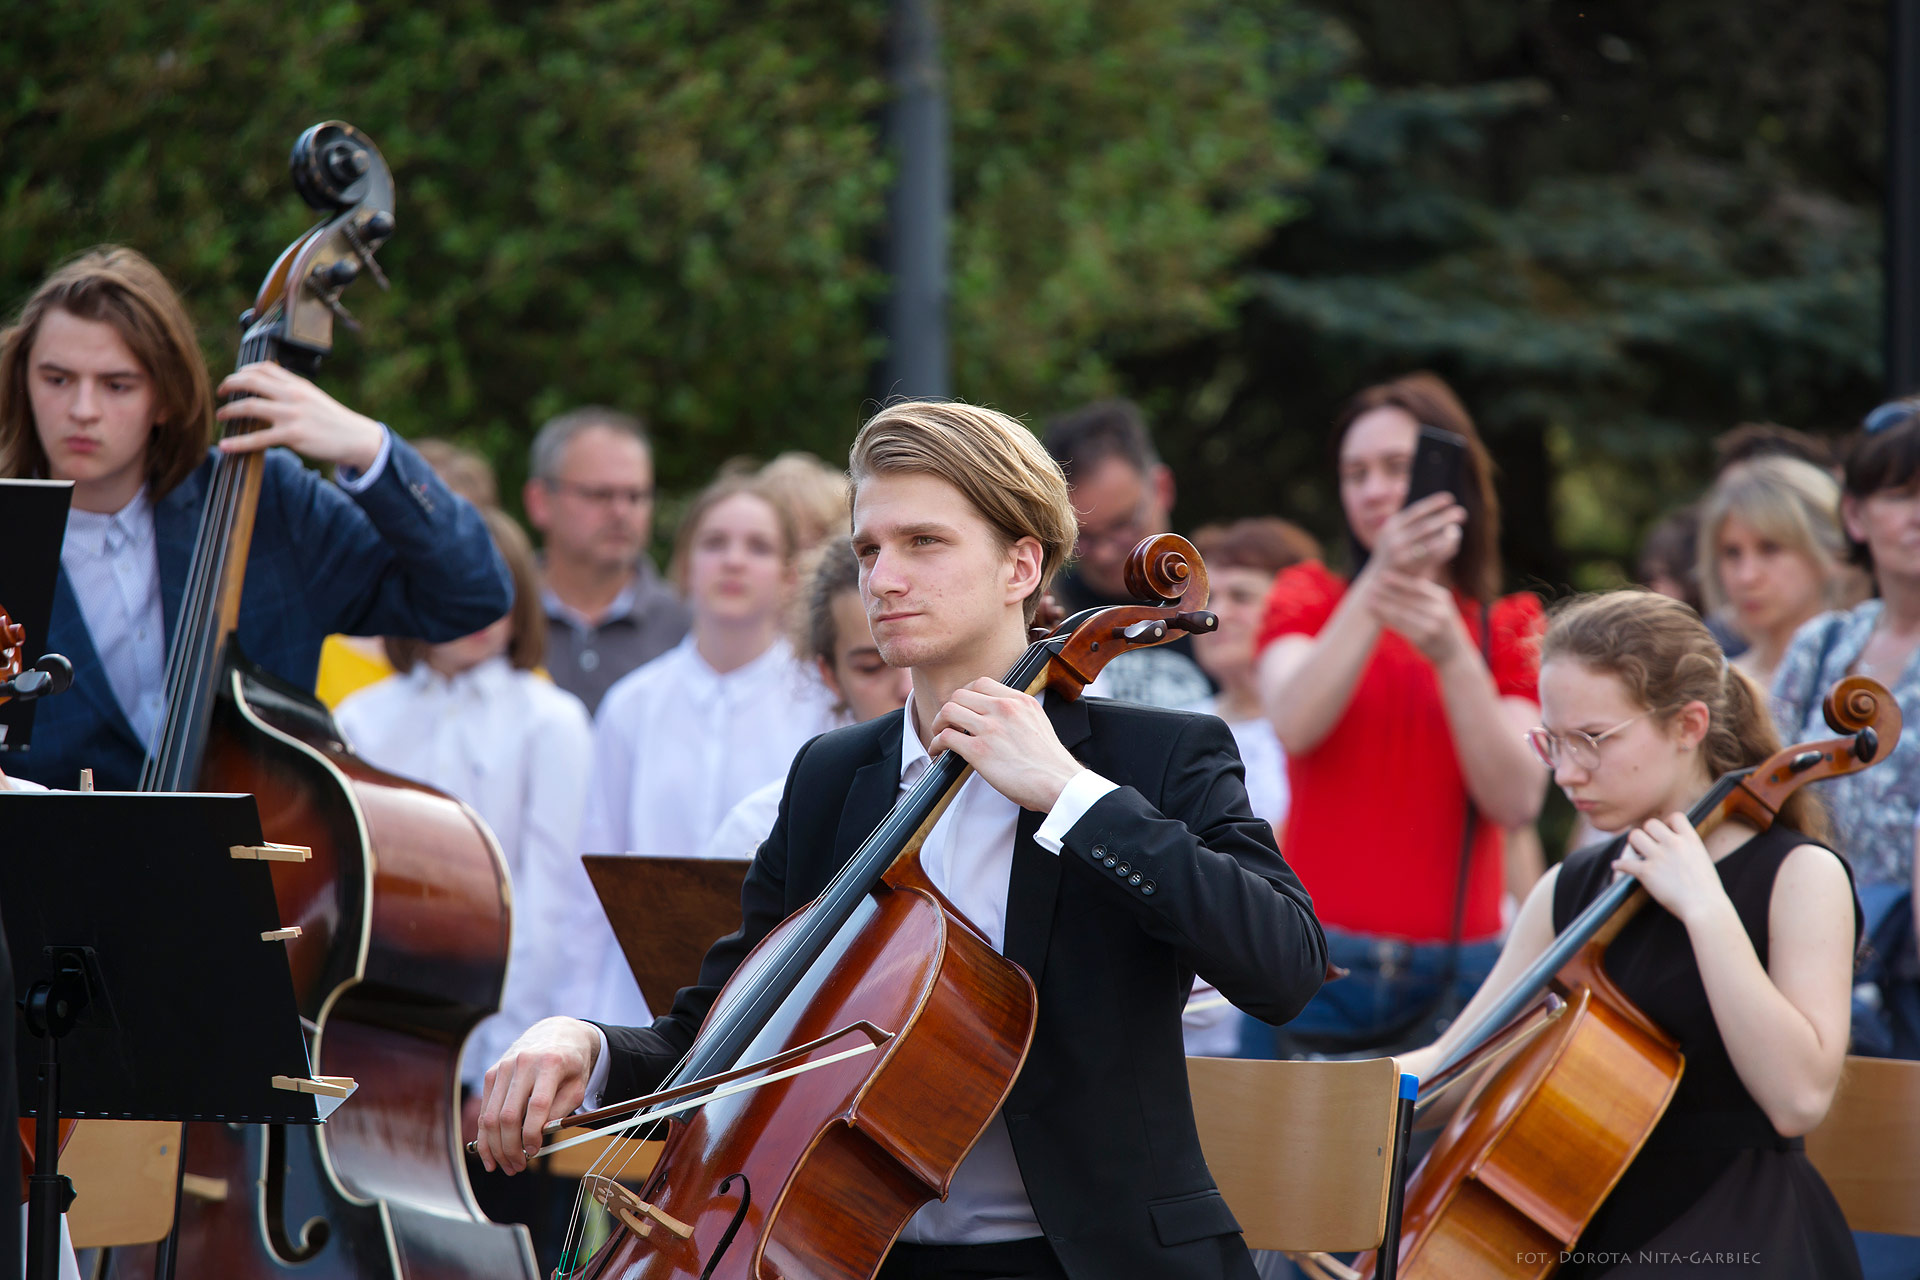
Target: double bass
[(403, 906), (862, 1048), (1530, 1157)]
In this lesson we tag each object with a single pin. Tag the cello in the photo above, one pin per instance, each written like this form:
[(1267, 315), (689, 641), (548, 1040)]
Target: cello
[(1531, 1156), (856, 1055), (402, 905)]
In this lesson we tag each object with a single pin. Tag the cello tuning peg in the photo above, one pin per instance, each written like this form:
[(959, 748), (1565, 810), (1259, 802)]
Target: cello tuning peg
[(1197, 621)]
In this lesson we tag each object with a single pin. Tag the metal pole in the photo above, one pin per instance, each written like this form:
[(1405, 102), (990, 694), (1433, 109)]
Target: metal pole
[(917, 207), (1902, 249)]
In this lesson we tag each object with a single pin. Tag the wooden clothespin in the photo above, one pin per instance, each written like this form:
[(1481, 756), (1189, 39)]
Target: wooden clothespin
[(270, 852)]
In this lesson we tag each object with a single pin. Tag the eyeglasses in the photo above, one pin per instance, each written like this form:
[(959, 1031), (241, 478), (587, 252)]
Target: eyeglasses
[(603, 495), (1583, 749), (1119, 538), (1891, 414)]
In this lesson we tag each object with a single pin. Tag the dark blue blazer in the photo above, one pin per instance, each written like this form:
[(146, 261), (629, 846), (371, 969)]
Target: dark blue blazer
[(406, 557)]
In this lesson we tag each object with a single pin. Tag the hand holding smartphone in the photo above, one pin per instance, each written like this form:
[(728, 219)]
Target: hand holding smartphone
[(1439, 466)]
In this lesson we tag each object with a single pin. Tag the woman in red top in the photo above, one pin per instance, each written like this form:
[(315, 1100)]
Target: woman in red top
[(1400, 716)]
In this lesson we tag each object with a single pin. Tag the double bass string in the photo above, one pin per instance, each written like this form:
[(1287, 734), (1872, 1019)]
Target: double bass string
[(196, 645)]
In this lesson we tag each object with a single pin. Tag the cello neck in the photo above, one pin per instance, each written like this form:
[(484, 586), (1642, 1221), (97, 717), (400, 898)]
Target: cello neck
[(1599, 922), (210, 608)]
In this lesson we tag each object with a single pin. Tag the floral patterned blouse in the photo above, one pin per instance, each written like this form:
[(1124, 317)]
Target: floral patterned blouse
[(1874, 810)]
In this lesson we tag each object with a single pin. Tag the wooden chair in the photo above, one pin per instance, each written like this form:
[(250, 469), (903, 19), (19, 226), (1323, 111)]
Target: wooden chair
[(1311, 1156), (1868, 1147)]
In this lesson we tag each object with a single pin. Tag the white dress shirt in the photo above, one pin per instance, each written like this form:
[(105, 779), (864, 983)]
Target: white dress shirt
[(969, 857), (112, 563), (519, 751), (676, 745)]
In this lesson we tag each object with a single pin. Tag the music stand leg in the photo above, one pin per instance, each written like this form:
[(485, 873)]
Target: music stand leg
[(50, 1011)]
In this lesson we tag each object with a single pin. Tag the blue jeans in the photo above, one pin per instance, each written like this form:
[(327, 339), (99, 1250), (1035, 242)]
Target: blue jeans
[(1390, 980)]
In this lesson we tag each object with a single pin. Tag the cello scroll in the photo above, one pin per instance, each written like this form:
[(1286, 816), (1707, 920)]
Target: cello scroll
[(1165, 572), (1857, 707)]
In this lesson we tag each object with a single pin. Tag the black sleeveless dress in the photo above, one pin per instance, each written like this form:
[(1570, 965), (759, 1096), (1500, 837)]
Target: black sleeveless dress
[(1715, 1191)]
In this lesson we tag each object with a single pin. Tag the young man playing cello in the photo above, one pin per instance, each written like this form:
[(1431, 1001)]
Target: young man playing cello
[(1108, 849)]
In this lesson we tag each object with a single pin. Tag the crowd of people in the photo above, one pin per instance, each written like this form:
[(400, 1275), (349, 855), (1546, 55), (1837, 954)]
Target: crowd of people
[(581, 701)]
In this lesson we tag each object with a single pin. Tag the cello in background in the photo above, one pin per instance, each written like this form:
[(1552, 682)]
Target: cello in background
[(403, 907), (1531, 1156)]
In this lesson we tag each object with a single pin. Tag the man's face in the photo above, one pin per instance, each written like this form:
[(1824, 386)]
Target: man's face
[(597, 509), (937, 580), (1118, 505), (92, 408)]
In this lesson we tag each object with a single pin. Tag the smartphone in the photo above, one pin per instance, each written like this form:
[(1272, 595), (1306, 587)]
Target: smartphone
[(1439, 465)]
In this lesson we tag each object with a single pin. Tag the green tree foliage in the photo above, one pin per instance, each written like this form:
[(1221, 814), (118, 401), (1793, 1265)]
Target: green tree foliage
[(1618, 229), (669, 205)]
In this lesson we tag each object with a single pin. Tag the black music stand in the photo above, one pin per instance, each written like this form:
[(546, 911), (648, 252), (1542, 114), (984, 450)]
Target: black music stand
[(151, 970), (33, 524)]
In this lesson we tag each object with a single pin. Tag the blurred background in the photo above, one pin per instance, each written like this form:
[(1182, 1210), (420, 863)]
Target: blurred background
[(1618, 231)]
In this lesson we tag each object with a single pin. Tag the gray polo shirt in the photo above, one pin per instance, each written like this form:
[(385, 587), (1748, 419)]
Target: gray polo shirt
[(644, 621)]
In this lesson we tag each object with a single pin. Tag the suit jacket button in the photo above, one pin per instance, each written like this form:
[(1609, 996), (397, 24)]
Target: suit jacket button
[(1134, 878), (1122, 869), (1099, 851), (1148, 888), (1110, 861)]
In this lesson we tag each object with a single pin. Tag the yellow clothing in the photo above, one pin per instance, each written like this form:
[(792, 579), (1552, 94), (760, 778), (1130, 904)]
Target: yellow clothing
[(349, 664)]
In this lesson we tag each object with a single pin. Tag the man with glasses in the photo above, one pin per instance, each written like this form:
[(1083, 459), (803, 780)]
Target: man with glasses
[(1121, 492), (591, 497)]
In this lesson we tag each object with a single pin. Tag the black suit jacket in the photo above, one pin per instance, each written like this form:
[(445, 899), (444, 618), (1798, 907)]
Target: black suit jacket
[(1100, 1117)]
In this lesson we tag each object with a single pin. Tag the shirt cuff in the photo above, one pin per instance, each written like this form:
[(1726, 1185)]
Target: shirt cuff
[(597, 1082), (360, 481), (1079, 795)]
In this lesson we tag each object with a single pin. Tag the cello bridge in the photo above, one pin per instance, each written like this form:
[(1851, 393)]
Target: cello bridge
[(639, 1216)]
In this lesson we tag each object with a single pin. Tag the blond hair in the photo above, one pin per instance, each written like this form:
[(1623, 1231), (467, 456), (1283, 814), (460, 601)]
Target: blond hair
[(1663, 653), (119, 287), (814, 494), (993, 460), (1791, 502)]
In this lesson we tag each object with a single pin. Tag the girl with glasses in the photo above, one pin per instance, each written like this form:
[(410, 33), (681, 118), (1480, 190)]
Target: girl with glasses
[(1744, 955)]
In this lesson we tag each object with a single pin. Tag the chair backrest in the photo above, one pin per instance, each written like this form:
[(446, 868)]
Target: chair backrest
[(1868, 1147), (1301, 1150)]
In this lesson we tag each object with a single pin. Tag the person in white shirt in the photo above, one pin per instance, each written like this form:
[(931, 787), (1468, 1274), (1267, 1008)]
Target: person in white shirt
[(680, 741), (1242, 560), (833, 635), (1105, 848), (473, 718)]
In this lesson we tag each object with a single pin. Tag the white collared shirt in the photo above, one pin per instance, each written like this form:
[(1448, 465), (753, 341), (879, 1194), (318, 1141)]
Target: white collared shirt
[(519, 751), (676, 745), (113, 564), (969, 857)]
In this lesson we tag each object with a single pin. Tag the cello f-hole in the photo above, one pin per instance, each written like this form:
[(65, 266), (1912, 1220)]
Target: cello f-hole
[(739, 1216)]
